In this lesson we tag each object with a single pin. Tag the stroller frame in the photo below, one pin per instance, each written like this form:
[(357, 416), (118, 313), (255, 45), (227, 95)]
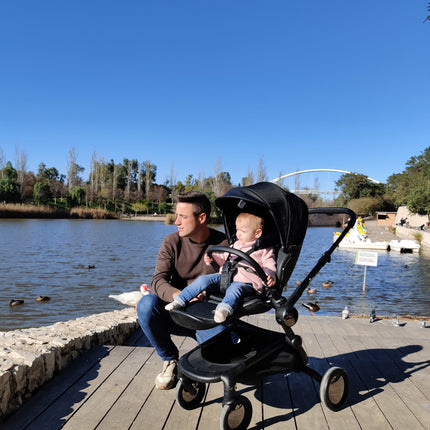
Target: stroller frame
[(244, 352)]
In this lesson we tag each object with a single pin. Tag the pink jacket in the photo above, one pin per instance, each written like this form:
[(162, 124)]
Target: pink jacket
[(264, 257)]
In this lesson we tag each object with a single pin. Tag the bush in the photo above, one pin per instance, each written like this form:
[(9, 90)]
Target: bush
[(366, 205), (170, 219)]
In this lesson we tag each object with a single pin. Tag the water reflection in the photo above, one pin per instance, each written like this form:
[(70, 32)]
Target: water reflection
[(51, 258)]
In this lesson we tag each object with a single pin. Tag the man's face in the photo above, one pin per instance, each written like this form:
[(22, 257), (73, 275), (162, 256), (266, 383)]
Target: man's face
[(186, 221)]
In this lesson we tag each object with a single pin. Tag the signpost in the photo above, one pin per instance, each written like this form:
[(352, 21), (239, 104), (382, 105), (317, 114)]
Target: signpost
[(366, 258)]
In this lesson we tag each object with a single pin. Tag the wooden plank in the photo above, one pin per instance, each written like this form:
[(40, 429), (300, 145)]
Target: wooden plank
[(210, 415), (92, 411), (180, 418), (155, 411), (78, 393), (307, 409), (126, 407), (360, 398), (407, 391), (160, 405), (360, 406), (277, 404), (391, 405), (46, 396), (343, 419)]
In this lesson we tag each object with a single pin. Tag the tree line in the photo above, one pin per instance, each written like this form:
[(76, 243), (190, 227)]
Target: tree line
[(130, 186)]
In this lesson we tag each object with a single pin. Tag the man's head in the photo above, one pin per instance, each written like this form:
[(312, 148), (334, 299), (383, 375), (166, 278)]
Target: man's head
[(192, 214)]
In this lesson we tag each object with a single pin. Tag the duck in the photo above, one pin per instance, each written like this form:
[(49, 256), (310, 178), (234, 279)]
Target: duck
[(327, 284), (311, 290), (345, 313), (313, 307), (131, 298), (16, 302), (91, 266), (43, 298)]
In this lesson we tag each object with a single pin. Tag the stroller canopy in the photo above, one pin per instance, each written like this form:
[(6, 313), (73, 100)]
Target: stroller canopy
[(285, 215)]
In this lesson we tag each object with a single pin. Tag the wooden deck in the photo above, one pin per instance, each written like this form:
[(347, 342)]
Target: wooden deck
[(112, 387)]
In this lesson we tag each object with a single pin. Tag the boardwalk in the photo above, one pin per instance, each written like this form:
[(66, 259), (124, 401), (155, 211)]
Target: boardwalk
[(112, 387)]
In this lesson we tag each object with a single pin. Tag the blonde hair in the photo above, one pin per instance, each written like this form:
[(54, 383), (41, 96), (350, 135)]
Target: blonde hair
[(254, 220)]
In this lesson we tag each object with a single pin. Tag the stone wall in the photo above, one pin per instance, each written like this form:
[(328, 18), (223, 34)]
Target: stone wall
[(413, 220), (31, 357), (410, 233)]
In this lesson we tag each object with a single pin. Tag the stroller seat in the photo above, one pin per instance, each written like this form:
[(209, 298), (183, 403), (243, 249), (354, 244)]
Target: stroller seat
[(243, 352)]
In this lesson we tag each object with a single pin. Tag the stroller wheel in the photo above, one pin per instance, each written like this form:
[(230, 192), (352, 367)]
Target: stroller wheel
[(237, 415), (188, 400), (334, 388)]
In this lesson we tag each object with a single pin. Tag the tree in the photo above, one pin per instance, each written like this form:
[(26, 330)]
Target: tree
[(139, 207), (261, 173), (77, 196), (74, 170), (21, 164), (412, 186), (356, 186), (9, 190), (150, 174), (9, 187), (248, 179), (42, 193), (51, 177), (221, 183)]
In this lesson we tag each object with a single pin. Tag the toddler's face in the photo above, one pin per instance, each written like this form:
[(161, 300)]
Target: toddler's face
[(245, 230)]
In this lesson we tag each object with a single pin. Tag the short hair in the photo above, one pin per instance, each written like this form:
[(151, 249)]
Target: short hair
[(200, 202), (257, 221)]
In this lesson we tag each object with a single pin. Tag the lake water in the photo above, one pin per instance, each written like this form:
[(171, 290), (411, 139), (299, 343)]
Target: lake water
[(51, 258)]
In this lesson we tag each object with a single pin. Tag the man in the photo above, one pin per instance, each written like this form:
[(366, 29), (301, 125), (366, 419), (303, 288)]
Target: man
[(179, 262)]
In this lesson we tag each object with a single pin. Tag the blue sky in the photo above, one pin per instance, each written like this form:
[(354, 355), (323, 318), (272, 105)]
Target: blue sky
[(189, 84)]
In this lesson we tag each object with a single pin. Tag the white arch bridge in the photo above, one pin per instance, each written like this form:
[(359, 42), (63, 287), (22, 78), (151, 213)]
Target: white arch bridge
[(297, 189)]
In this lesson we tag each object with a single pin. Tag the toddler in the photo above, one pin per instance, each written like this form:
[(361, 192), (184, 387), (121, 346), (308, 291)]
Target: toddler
[(249, 228)]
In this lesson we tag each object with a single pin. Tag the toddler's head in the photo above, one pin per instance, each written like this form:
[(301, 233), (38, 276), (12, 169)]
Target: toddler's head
[(248, 227)]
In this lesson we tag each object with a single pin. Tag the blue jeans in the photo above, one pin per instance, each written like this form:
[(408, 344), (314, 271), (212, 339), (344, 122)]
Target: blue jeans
[(158, 326), (211, 283)]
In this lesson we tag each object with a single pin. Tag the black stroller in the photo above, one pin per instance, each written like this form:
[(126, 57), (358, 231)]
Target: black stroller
[(243, 351)]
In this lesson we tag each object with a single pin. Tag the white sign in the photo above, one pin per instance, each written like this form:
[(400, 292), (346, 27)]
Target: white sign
[(366, 258)]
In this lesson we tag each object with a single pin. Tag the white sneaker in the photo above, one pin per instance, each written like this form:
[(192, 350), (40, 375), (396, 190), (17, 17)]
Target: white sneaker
[(167, 378), (221, 314), (173, 305)]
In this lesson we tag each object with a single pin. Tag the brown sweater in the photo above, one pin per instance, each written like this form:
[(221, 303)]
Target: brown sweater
[(180, 261)]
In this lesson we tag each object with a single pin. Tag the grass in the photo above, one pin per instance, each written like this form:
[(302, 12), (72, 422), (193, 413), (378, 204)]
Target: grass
[(15, 210), (418, 237)]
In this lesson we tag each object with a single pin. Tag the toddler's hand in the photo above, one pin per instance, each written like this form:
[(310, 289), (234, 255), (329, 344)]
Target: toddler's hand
[(271, 281)]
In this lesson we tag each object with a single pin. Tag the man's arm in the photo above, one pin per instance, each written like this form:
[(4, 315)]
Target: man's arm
[(164, 270)]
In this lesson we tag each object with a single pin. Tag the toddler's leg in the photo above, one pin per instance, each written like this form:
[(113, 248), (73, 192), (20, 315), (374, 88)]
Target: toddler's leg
[(234, 293), (193, 290)]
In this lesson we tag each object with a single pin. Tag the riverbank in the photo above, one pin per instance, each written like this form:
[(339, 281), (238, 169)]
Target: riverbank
[(12, 210), (31, 357), (381, 232)]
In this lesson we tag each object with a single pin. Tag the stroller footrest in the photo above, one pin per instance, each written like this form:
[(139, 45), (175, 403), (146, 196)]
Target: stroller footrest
[(196, 316)]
